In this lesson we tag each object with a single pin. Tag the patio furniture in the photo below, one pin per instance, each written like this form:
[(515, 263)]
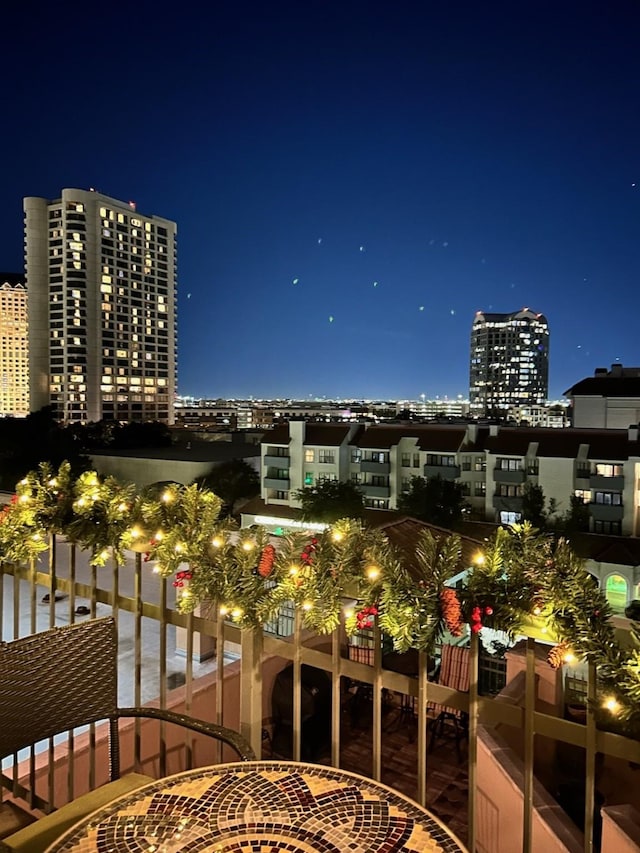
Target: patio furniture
[(454, 672), (261, 805), (59, 680)]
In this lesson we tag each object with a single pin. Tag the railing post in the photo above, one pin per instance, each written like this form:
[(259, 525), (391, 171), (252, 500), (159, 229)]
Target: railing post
[(474, 656), (590, 759), (297, 687), (251, 645), (529, 745)]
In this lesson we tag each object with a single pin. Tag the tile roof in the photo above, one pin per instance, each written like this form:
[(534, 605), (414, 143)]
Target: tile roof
[(327, 435), (404, 532), (437, 437), (621, 550), (606, 386), (610, 444), (278, 435)]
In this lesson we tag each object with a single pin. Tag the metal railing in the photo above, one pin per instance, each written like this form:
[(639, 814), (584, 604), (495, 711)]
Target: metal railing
[(159, 648)]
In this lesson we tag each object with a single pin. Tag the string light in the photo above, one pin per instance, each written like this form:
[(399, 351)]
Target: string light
[(373, 573), (236, 613), (293, 571), (479, 559), (248, 545), (569, 657), (216, 542), (167, 497), (307, 605), (611, 704), (223, 610), (337, 536)]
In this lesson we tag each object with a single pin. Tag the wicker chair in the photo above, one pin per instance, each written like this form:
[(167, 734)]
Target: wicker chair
[(64, 678)]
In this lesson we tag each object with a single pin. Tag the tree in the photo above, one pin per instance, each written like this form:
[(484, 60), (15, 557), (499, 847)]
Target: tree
[(533, 505), (330, 501), (576, 518), (231, 481), (434, 500)]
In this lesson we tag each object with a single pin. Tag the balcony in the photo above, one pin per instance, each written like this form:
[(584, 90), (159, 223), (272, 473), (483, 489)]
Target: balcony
[(445, 472), (276, 461), (607, 484), (507, 504), (277, 483), (209, 667), (368, 466), (606, 512), (370, 491), (502, 476), (582, 480)]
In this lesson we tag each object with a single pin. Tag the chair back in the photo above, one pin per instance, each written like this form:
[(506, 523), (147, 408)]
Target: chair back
[(56, 680), (454, 667)]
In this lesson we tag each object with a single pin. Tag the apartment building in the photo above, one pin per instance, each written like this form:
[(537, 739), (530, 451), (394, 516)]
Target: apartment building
[(102, 308), (509, 361), (492, 463), (610, 399), (14, 347)]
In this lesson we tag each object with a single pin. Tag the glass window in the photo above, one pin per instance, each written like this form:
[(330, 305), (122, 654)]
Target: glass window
[(309, 455), (327, 457)]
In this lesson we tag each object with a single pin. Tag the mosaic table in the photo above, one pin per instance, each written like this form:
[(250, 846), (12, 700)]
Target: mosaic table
[(261, 807)]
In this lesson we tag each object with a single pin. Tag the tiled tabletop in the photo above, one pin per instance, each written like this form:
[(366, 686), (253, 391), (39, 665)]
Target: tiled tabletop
[(261, 807)]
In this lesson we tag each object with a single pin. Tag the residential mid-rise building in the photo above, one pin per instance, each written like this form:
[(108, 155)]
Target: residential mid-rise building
[(14, 346), (101, 278), (610, 399), (492, 463), (509, 363)]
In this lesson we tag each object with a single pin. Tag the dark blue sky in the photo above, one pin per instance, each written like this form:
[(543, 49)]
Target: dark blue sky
[(484, 155)]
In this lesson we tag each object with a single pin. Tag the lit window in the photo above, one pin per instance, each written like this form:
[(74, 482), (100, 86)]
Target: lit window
[(309, 455)]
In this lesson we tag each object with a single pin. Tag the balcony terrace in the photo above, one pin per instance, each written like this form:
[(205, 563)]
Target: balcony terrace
[(529, 770)]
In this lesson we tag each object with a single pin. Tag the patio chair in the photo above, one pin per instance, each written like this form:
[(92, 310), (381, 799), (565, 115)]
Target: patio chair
[(454, 672), (58, 680)]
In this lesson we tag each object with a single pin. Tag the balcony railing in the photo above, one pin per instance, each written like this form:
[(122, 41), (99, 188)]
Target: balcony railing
[(160, 647), (373, 466), (501, 475), (606, 512), (446, 472), (271, 461), (607, 484)]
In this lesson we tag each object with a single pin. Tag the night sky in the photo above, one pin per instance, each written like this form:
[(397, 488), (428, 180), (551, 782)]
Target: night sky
[(351, 180)]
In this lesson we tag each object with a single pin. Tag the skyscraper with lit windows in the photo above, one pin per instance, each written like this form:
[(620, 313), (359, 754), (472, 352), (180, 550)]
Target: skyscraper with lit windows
[(102, 308), (14, 346), (509, 363)]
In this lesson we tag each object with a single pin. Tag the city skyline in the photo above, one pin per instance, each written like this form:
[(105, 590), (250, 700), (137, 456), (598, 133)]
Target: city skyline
[(351, 182)]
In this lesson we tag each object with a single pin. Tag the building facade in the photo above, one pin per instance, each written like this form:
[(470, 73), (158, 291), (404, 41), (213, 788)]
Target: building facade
[(492, 463), (509, 362), (102, 308), (610, 399), (14, 347)]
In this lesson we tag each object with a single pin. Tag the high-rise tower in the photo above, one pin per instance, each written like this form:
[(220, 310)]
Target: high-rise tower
[(102, 308), (14, 349), (509, 364)]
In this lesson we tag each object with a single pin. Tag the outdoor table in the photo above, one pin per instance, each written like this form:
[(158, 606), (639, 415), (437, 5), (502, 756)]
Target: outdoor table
[(265, 806)]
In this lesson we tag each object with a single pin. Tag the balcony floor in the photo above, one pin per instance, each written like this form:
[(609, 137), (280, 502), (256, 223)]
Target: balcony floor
[(447, 778)]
